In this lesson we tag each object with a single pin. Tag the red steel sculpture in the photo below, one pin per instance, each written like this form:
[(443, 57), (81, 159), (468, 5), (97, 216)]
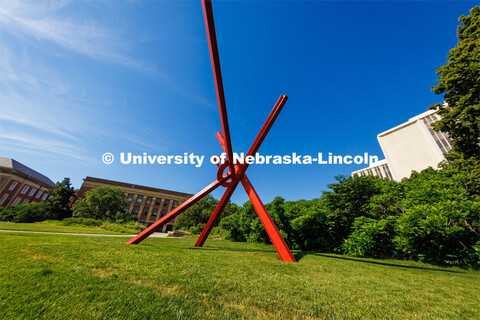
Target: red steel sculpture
[(236, 172)]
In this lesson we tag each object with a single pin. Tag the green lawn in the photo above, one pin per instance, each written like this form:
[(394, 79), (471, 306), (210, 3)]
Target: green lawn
[(76, 277), (54, 227)]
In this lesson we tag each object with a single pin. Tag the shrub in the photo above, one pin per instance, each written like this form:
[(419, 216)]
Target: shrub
[(232, 227), (442, 233), (195, 230), (25, 213), (371, 238)]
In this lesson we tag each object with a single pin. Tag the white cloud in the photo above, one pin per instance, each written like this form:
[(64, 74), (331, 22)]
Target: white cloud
[(47, 147), (41, 21)]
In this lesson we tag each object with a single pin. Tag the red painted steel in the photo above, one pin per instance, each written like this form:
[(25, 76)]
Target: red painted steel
[(239, 173), (267, 221), (217, 76), (236, 173), (175, 212)]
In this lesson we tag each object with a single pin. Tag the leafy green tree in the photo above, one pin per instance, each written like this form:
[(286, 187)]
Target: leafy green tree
[(460, 82), (244, 225), (198, 214), (348, 200), (310, 228), (103, 203), (59, 199)]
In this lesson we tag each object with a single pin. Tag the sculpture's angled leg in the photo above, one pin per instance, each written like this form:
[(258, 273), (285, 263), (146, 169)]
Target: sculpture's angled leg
[(217, 77), (216, 213), (175, 212), (267, 221)]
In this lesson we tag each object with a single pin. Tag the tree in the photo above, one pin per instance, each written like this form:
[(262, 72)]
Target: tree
[(197, 214), (349, 199), (460, 82), (59, 199), (103, 203), (200, 212)]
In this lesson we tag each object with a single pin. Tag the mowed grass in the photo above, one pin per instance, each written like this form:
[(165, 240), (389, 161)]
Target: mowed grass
[(76, 277), (52, 227)]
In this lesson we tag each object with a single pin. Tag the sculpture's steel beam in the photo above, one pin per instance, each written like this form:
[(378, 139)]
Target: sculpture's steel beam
[(267, 221), (217, 76), (175, 212), (242, 168)]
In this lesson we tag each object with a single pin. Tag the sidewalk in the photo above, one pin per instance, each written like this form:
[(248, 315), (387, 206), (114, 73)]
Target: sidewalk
[(154, 235)]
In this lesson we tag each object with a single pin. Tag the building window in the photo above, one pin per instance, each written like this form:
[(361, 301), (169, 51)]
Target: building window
[(130, 197), (158, 200), (166, 202), (39, 194), (32, 192), (175, 203), (149, 200), (26, 201), (139, 199), (24, 190), (145, 211), (13, 185), (154, 212), (5, 196), (164, 212), (44, 196), (17, 201), (126, 208), (135, 210)]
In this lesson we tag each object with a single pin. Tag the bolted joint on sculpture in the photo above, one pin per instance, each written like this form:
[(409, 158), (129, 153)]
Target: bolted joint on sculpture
[(235, 173)]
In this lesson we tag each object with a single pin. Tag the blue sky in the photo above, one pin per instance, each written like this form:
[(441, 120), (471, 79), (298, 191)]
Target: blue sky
[(81, 78)]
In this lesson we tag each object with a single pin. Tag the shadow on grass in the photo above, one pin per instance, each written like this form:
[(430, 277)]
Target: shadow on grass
[(302, 254)]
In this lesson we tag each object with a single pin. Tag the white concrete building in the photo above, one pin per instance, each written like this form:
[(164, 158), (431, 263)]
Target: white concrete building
[(411, 146)]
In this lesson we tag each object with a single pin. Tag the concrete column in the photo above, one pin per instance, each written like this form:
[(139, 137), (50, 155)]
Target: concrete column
[(170, 206), (160, 208), (142, 205), (132, 202), (152, 203), (4, 183)]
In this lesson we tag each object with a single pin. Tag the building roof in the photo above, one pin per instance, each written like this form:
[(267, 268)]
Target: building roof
[(30, 173), (136, 186), (373, 165), (409, 122)]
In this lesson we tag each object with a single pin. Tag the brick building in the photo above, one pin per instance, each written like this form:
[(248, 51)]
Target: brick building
[(20, 184), (147, 203)]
